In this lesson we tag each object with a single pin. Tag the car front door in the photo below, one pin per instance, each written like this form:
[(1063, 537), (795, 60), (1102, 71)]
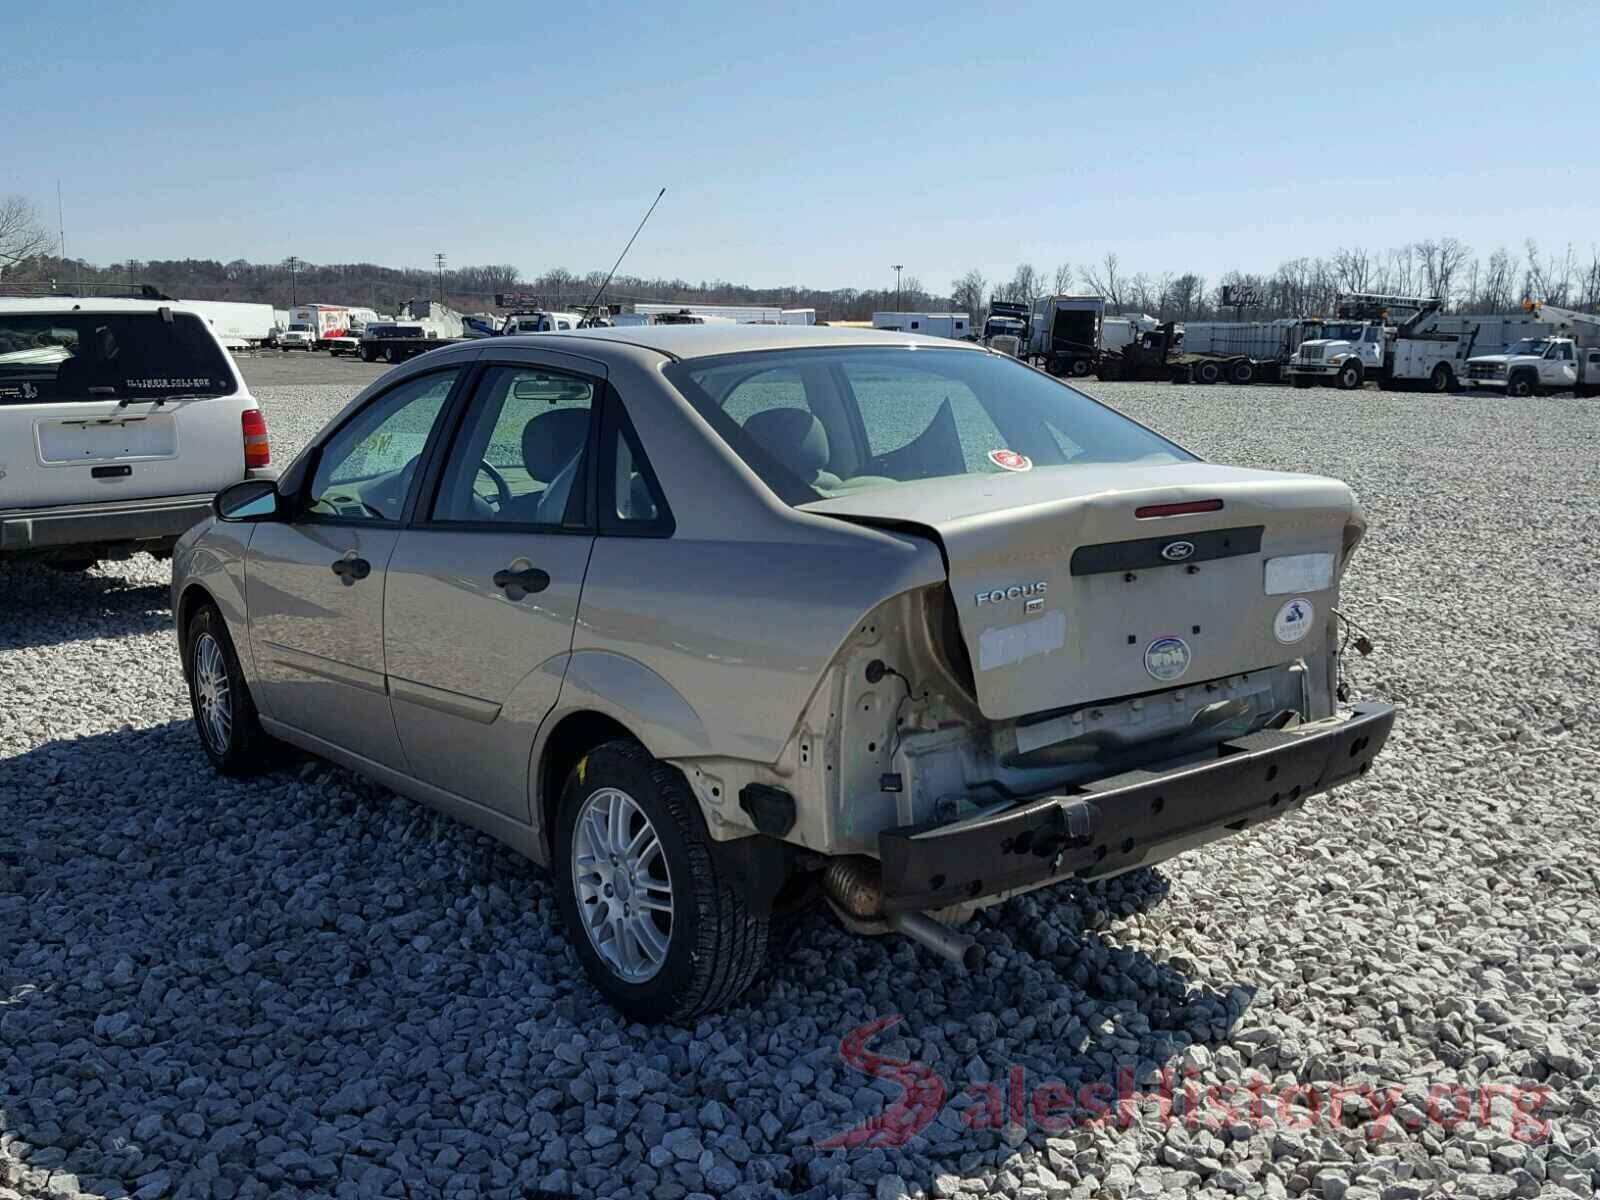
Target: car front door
[(314, 584), (483, 587)]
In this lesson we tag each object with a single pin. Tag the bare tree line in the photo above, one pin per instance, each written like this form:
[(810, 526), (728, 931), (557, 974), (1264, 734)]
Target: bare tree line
[(1442, 267), (1304, 287)]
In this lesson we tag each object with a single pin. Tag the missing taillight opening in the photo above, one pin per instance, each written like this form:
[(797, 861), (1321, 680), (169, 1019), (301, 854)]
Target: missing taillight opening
[(1176, 510), (257, 449)]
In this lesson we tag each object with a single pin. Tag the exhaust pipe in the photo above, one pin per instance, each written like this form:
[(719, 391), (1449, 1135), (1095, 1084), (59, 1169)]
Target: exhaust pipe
[(941, 939), (854, 886)]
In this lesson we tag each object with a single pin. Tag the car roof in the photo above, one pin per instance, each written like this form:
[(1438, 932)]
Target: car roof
[(105, 304), (704, 341)]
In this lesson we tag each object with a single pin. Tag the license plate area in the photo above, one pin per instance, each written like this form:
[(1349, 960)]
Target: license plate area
[(98, 440)]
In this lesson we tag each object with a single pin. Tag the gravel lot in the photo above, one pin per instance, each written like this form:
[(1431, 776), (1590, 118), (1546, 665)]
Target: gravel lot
[(306, 985)]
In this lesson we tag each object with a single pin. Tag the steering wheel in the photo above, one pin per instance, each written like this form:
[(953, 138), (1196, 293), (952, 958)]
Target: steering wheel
[(502, 489)]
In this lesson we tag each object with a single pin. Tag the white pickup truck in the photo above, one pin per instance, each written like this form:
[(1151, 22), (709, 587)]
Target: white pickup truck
[(1535, 365), (119, 421)]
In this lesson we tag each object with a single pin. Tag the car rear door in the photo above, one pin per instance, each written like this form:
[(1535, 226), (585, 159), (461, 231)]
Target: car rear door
[(314, 585), (87, 414), (483, 587)]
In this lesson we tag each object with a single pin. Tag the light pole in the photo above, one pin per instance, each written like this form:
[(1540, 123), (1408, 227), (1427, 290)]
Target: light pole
[(293, 264), (438, 263), (897, 268)]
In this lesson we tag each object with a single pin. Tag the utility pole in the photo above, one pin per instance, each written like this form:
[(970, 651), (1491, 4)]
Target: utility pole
[(293, 264), (438, 264), (897, 268)]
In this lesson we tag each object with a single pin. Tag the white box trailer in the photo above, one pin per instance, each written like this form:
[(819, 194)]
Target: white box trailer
[(743, 314), (950, 325), (236, 321)]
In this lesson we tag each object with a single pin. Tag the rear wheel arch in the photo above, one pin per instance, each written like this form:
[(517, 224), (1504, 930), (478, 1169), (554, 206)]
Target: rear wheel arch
[(570, 741)]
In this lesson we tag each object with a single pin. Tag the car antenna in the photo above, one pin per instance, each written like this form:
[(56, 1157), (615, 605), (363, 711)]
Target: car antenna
[(624, 254)]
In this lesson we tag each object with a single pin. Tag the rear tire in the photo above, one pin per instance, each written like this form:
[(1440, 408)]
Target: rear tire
[(1442, 380), (224, 712), (706, 947), (1242, 372), (1080, 367), (1207, 372)]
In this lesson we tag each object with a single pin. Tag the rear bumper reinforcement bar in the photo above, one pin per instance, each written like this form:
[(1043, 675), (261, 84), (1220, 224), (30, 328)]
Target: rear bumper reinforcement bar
[(1117, 823)]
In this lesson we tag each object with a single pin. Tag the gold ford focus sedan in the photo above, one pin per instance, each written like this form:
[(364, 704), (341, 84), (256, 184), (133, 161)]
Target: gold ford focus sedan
[(711, 619)]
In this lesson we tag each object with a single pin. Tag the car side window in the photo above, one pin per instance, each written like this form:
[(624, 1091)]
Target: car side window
[(1566, 352), (520, 455), (366, 468)]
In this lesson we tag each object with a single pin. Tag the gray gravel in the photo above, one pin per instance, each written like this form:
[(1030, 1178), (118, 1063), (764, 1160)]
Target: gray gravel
[(306, 985)]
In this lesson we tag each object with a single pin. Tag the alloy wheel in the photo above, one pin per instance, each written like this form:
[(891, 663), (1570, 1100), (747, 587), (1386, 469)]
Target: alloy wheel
[(623, 885), (213, 693)]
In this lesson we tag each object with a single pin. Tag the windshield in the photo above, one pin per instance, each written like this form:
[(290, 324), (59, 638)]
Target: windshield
[(1530, 346), (1341, 333), (820, 423), (299, 328), (90, 356)]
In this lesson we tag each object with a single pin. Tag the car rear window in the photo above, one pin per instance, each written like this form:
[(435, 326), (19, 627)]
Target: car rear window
[(814, 423), (94, 356)]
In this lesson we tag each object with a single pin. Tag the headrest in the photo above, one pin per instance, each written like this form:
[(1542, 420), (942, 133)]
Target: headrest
[(551, 439), (792, 436)]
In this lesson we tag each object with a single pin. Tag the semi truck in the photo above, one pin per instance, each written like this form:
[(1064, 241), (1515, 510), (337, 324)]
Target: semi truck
[(1064, 333), (1006, 327), (1567, 358)]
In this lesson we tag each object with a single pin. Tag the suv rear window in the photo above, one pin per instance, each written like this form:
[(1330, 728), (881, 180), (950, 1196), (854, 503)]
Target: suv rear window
[(96, 356)]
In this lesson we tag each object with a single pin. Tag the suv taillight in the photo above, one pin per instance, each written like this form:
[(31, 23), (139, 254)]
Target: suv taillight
[(257, 452)]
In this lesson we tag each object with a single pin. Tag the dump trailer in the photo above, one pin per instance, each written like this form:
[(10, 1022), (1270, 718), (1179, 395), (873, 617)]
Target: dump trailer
[(1064, 333), (1238, 351)]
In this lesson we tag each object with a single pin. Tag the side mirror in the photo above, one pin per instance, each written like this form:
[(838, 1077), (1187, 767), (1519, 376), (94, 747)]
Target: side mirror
[(248, 500)]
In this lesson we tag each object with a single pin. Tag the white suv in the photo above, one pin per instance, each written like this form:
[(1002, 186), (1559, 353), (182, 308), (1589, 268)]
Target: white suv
[(119, 421)]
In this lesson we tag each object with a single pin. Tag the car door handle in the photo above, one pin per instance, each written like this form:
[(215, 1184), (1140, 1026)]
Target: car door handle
[(529, 579), (351, 569)]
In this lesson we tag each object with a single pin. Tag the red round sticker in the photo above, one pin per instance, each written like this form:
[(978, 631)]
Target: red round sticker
[(1010, 460)]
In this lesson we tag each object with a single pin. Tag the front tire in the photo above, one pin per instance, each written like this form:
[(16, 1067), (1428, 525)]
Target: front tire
[(1522, 385), (224, 712), (1349, 377), (662, 931)]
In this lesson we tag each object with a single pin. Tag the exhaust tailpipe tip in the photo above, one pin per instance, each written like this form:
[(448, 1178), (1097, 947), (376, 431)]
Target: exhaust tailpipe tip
[(949, 945)]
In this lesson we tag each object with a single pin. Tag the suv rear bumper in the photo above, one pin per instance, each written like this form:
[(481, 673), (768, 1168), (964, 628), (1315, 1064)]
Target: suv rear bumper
[(23, 530), (1127, 820)]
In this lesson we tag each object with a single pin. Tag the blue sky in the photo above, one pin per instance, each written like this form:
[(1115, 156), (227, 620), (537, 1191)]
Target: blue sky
[(809, 143)]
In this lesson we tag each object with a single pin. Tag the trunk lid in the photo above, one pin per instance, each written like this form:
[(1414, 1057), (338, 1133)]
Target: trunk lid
[(1065, 596)]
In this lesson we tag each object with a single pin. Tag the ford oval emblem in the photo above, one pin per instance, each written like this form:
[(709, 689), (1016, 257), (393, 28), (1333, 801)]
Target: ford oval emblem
[(1177, 551)]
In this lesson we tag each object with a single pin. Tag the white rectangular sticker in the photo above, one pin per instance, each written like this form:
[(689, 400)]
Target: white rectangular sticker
[(1299, 573), (1010, 644)]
